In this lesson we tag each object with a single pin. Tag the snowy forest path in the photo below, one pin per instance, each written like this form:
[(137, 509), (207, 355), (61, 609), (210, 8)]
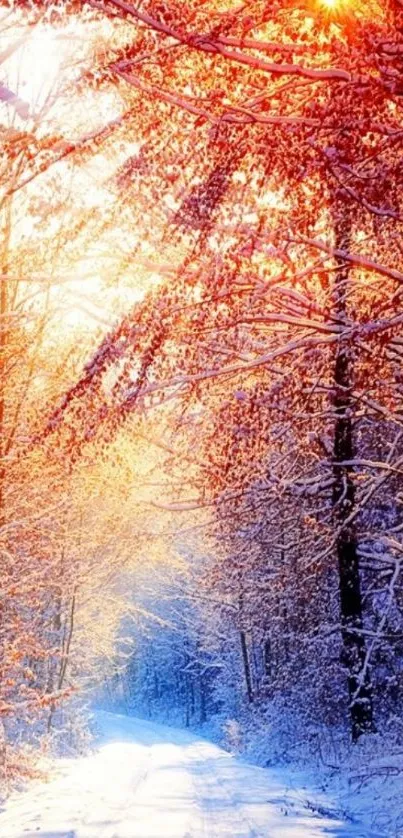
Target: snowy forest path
[(151, 781)]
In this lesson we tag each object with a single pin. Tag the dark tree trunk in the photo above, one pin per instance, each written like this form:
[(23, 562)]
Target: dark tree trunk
[(267, 659), (186, 696), (246, 666), (192, 697), (203, 715), (242, 637), (354, 648)]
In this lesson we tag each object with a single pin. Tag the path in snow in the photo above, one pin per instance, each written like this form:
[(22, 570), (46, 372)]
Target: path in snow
[(151, 781)]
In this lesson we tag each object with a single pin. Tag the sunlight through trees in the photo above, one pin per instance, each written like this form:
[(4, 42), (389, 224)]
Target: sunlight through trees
[(201, 353)]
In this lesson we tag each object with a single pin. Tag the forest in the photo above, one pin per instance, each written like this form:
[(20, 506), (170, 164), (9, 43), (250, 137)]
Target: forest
[(201, 383)]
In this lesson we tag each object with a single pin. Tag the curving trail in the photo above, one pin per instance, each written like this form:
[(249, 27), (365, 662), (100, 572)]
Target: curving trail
[(151, 781)]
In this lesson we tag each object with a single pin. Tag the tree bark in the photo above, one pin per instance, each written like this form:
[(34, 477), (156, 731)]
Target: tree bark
[(267, 658), (246, 666), (354, 647), (203, 714)]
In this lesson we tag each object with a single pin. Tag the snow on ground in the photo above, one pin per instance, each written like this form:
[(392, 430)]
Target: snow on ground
[(151, 781)]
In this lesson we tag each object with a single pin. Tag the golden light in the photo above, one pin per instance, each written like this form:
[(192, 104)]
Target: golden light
[(43, 65), (332, 5), (348, 10), (32, 70)]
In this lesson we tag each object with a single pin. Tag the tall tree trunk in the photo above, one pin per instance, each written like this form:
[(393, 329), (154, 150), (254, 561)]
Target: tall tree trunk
[(354, 649), (68, 636), (267, 658), (202, 687), (246, 666), (244, 645)]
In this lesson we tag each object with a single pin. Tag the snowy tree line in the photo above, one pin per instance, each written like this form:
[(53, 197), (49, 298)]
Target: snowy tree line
[(254, 184), (280, 333)]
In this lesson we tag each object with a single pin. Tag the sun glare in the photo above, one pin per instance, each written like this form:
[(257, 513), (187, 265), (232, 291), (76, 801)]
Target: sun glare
[(331, 5), (32, 71), (39, 65)]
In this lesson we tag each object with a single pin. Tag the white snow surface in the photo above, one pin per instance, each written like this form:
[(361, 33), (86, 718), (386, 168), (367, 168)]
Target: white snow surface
[(150, 781)]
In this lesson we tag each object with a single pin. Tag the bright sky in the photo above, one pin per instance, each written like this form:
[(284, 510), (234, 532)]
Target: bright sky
[(43, 62)]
